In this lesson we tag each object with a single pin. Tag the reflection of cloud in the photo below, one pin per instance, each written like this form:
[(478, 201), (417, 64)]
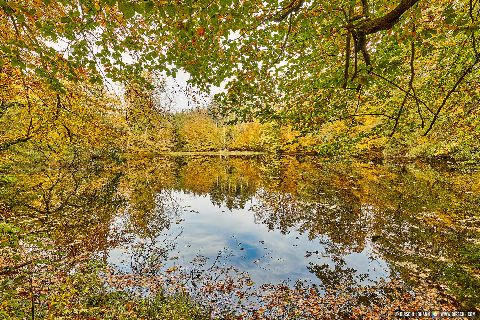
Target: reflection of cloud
[(269, 256)]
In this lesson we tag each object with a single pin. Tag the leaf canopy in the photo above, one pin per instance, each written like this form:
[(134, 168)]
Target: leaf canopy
[(300, 62)]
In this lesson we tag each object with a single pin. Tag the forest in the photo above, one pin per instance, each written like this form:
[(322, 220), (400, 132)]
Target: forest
[(352, 126)]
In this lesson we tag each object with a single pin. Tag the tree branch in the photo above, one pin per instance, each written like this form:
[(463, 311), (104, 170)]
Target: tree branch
[(362, 115), (401, 89), (369, 26), (14, 269), (292, 7), (347, 60), (282, 49), (410, 86), (8, 144), (387, 21), (365, 8), (472, 19), (449, 93)]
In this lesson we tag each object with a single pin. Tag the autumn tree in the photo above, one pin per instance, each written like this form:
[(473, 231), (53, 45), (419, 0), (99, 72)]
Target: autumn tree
[(196, 131), (150, 127), (406, 67), (40, 122)]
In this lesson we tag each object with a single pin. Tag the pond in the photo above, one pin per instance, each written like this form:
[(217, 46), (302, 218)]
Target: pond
[(361, 231), (291, 220), (204, 230)]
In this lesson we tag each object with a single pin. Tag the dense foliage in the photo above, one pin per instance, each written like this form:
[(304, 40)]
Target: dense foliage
[(401, 75)]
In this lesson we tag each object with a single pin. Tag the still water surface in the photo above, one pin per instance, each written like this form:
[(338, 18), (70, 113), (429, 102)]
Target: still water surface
[(235, 237), (301, 220), (371, 233)]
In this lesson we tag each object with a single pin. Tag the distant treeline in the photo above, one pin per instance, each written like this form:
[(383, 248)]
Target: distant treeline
[(198, 131), (151, 129)]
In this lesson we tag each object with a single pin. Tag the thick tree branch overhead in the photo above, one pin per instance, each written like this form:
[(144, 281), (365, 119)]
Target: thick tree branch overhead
[(369, 26), (387, 21)]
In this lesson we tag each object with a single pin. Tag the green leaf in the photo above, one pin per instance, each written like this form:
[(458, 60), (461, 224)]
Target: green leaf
[(149, 5), (127, 8), (140, 7)]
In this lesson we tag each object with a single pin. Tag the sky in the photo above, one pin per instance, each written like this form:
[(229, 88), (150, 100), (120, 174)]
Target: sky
[(183, 96), (178, 96)]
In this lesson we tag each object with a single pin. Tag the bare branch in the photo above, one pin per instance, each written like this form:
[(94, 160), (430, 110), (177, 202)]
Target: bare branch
[(401, 89), (362, 115)]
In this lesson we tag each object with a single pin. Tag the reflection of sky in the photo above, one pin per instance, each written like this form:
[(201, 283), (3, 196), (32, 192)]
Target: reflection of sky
[(268, 256)]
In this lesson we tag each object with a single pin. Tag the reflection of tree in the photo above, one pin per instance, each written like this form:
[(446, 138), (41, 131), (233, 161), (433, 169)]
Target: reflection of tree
[(149, 255), (434, 253), (232, 195), (73, 204), (61, 215), (411, 213), (420, 219), (345, 229), (228, 181), (336, 278), (341, 281), (142, 186)]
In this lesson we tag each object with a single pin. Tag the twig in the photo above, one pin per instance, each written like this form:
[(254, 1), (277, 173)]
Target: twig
[(410, 86), (450, 92), (401, 89), (285, 40)]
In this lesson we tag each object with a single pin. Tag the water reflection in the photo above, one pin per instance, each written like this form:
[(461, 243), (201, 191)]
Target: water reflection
[(236, 237), (281, 219), (327, 223)]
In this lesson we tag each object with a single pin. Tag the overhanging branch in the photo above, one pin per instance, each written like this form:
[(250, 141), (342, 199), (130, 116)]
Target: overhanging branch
[(387, 21), (368, 26)]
